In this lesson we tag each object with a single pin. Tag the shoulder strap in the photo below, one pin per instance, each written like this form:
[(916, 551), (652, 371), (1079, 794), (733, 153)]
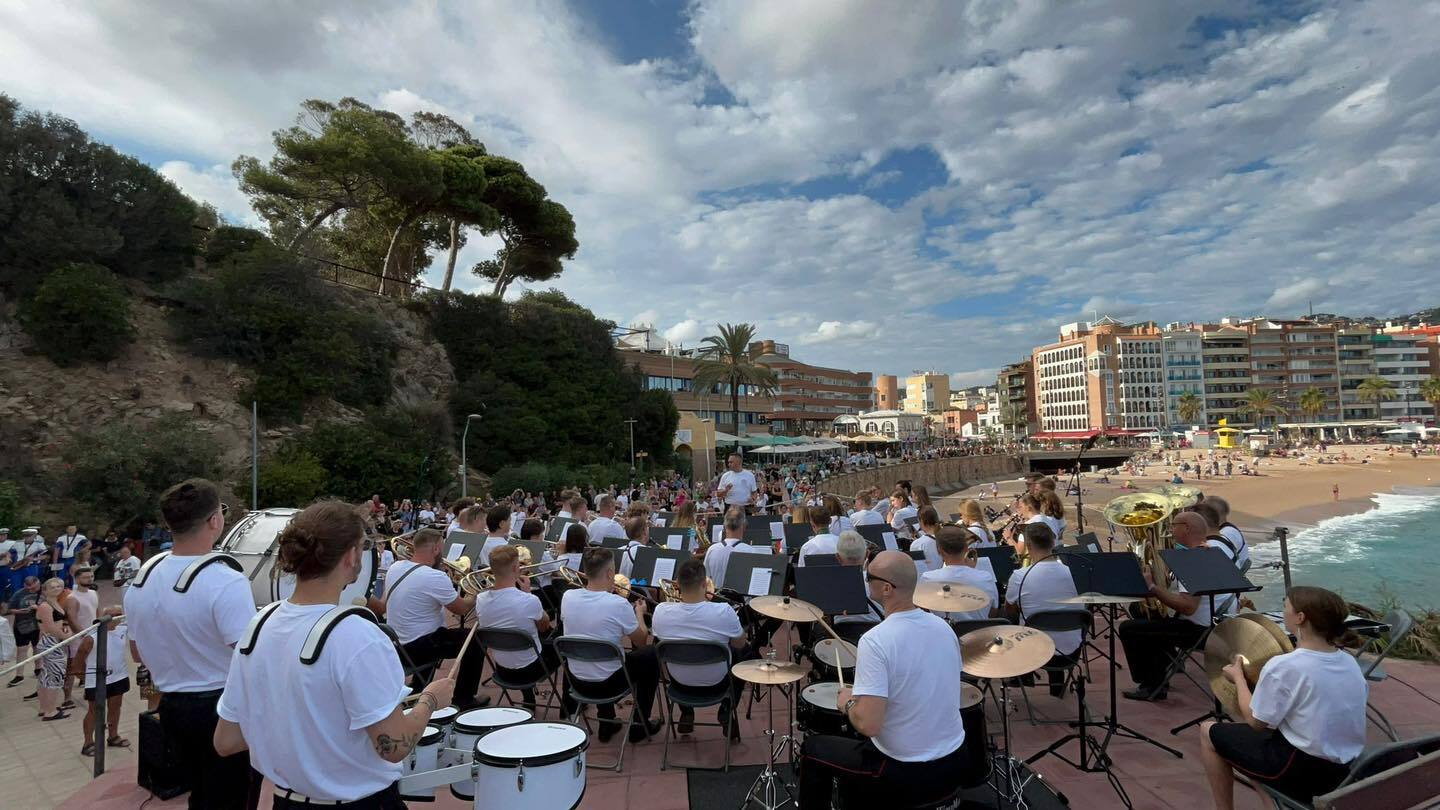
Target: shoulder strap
[(138, 581), (315, 641), (390, 588), (187, 577), (252, 630), (1234, 552)]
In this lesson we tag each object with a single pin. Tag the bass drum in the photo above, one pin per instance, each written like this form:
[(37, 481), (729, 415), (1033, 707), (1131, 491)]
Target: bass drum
[(254, 542)]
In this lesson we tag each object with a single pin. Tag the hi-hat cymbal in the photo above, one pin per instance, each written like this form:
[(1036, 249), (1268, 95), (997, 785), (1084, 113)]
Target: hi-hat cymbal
[(950, 597), (785, 608), (1253, 637), (1098, 599), (768, 672), (826, 651), (1004, 652)]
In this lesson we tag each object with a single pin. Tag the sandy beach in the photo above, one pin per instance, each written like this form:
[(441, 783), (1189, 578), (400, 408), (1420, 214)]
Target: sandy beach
[(1286, 493)]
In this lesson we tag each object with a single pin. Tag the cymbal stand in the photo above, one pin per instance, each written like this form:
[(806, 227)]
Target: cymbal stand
[(1009, 770), (766, 788)]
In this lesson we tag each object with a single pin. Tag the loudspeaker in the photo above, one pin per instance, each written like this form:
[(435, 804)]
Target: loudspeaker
[(158, 771)]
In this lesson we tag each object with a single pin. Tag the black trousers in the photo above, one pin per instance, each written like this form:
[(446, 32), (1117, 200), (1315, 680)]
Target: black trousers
[(445, 643), (188, 721), (644, 670), (537, 670), (868, 778), (1151, 644), (387, 799)]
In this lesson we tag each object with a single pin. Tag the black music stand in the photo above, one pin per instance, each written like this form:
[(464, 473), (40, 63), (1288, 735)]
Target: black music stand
[(557, 529), (614, 543), (740, 568), (678, 539), (758, 534), (795, 536), (776, 526), (643, 573), (881, 535), (1205, 572), (536, 548), (471, 544), (820, 559), (1002, 562), (838, 590), (663, 518)]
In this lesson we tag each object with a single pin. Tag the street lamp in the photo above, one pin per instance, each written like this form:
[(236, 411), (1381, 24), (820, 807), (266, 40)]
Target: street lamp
[(631, 423), (463, 437)]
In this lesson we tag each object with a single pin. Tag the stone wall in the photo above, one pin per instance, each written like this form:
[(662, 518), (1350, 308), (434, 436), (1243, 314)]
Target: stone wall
[(941, 475)]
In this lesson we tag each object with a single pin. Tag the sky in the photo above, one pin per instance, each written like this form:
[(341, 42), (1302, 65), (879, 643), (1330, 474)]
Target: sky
[(885, 187)]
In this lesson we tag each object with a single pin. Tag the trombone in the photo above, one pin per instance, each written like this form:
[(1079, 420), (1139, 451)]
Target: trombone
[(404, 549), (621, 584), (477, 582)]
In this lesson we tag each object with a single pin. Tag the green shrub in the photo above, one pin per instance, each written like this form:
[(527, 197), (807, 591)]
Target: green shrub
[(121, 468), (535, 476), (10, 508), (293, 478), (397, 453), (79, 314)]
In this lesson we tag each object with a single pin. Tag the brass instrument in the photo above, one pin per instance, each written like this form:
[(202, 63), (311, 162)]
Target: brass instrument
[(671, 589), (1182, 496), (1143, 519), (477, 582), (621, 584), (404, 549)]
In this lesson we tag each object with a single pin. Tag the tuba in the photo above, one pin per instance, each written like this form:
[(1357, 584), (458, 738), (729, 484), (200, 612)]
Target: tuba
[(1143, 520)]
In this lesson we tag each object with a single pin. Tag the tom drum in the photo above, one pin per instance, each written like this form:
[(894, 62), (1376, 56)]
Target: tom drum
[(424, 757), (469, 728), (532, 765)]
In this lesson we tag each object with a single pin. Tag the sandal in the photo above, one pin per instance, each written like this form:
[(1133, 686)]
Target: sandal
[(67, 705), (88, 750), (58, 715), (117, 742)]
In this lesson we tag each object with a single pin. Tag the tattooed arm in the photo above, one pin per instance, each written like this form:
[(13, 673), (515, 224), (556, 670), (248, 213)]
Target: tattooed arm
[(394, 736)]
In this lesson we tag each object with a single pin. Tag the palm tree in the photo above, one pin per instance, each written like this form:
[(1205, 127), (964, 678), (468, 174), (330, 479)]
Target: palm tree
[(1312, 402), (1376, 390), (725, 359), (1260, 403), (1189, 406), (1013, 416), (1430, 390)]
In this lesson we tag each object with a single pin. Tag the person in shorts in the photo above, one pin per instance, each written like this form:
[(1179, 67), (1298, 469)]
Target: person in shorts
[(117, 682)]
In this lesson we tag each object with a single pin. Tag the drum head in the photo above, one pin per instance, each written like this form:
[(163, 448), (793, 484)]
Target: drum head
[(431, 736), (477, 721), (533, 744), (824, 695), (970, 695), (443, 717)]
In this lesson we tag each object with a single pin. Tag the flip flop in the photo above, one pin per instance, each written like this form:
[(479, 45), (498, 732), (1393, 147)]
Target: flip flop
[(117, 742), (88, 750)]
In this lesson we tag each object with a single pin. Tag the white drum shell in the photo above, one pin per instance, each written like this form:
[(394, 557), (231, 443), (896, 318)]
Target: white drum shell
[(477, 723), (425, 757), (254, 542), (518, 786)]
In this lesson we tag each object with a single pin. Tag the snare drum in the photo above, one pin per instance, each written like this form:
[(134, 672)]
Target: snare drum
[(424, 757), (822, 660), (468, 729), (819, 713), (976, 747), (254, 542), (532, 765)]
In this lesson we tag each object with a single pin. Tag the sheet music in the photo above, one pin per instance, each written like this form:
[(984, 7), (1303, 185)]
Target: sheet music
[(658, 521), (674, 541), (456, 549), (759, 582), (777, 529), (717, 532), (664, 569), (890, 541)]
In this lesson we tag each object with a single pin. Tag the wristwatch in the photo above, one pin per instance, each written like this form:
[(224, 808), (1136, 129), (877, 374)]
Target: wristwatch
[(849, 704)]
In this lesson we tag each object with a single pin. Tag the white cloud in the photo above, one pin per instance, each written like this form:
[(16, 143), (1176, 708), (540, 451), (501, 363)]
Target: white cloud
[(687, 332), (829, 331), (215, 185)]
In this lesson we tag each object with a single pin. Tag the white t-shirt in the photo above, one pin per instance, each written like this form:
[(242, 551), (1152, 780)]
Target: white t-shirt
[(627, 556), (126, 569), (491, 543), (819, 544), (510, 609), (696, 621), (185, 639), (1316, 700), (866, 517), (116, 652), (1237, 539), (717, 557), (603, 527), (305, 724), (1038, 588), (912, 659), (743, 486), (966, 575), (427, 516), (926, 543), (897, 520), (984, 538), (1056, 525), (416, 606), (597, 615), (69, 544)]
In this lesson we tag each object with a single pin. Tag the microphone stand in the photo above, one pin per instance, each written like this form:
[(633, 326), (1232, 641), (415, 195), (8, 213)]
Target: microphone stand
[(1075, 479)]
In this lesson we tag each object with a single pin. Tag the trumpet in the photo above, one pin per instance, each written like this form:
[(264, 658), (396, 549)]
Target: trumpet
[(477, 582), (404, 549), (621, 584)]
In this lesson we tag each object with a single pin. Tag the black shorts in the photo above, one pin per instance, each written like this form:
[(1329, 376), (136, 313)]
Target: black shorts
[(30, 638), (1266, 756), (119, 687)]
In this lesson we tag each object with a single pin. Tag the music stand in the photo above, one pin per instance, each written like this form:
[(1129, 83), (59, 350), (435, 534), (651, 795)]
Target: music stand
[(1002, 562), (663, 518), (741, 570), (758, 534), (836, 589), (471, 544), (557, 528), (614, 543), (1205, 572), (820, 559), (647, 559), (795, 536), (536, 548), (670, 538), (879, 534)]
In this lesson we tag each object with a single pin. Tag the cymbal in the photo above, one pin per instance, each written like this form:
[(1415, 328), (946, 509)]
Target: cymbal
[(1099, 599), (826, 648), (1005, 652), (768, 672), (785, 608), (950, 597), (1249, 638)]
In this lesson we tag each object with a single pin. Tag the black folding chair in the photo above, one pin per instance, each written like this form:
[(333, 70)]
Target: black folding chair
[(514, 641), (694, 653), (591, 650), (1373, 761), (419, 674), (1373, 652), (1066, 666)]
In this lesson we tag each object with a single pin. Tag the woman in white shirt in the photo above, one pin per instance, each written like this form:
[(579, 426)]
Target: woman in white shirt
[(974, 519), (333, 732), (1305, 721), (925, 538), (900, 508), (1052, 509)]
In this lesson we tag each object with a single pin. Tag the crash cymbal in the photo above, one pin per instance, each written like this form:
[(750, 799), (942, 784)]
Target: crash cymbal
[(826, 650), (1004, 652), (1099, 599), (950, 597), (970, 695), (768, 672), (785, 608), (1253, 637)]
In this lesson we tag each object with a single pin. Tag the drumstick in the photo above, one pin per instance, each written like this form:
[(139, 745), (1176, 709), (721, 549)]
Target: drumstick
[(455, 667), (839, 671)]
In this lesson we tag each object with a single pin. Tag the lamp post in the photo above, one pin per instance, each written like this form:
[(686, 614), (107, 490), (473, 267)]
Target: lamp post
[(463, 447), (631, 423)]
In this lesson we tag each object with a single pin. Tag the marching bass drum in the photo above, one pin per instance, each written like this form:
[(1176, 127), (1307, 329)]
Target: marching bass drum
[(255, 540), (531, 765)]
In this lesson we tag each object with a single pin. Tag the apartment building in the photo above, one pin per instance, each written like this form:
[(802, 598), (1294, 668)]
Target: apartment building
[(673, 370), (1015, 388), (1225, 370), (1355, 349), (1405, 362), (1181, 349), (927, 392), (1103, 375), (1289, 358), (887, 392), (808, 397)]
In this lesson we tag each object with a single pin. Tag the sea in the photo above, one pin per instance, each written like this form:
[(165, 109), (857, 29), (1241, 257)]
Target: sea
[(1384, 556)]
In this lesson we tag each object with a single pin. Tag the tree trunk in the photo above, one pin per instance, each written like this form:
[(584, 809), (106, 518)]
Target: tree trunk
[(390, 251), (503, 278), (454, 252), (735, 414), (314, 223)]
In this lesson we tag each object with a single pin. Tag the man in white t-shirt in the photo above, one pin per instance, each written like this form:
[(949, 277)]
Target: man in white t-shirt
[(864, 514), (1038, 588), (737, 485), (417, 597), (1221, 533), (822, 542), (596, 612), (953, 543), (604, 525), (696, 618), (717, 556), (458, 509), (427, 514), (126, 567), (186, 639), (904, 702), (511, 605), (66, 547), (497, 524)]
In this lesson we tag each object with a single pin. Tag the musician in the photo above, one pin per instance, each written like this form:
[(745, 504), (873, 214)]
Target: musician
[(904, 701), (576, 540), (1151, 643), (717, 556), (839, 520), (185, 640), (1031, 509), (1227, 529), (637, 532), (1215, 536), (605, 525), (882, 505), (974, 519), (823, 542), (959, 567), (459, 508), (497, 523), (850, 550), (737, 485), (696, 618), (1052, 510), (864, 514), (901, 508), (576, 508), (333, 732), (63, 554), (595, 611), (1039, 587), (35, 551), (1305, 722), (417, 597), (925, 537), (512, 605)]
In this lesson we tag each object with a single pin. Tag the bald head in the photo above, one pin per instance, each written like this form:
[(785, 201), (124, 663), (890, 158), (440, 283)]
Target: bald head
[(1189, 529), (897, 568)]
